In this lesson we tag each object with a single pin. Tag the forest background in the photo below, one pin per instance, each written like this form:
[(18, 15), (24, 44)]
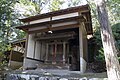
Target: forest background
[(11, 11)]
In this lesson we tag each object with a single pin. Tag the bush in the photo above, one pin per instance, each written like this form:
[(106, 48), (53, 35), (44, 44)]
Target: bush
[(100, 52)]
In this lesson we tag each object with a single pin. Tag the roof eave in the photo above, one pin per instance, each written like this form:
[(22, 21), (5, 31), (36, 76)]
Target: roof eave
[(56, 13)]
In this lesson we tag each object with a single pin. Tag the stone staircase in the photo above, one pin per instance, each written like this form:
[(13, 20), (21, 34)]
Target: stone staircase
[(53, 66)]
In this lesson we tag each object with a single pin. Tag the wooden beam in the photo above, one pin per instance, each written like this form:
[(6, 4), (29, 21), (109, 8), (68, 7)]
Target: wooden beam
[(35, 59), (48, 23), (55, 36), (55, 28), (88, 28)]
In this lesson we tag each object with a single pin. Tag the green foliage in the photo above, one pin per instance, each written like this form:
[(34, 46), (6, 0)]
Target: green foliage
[(8, 21), (10, 11), (98, 41), (116, 33), (3, 62), (55, 5), (116, 30), (26, 8), (72, 3), (113, 9), (97, 37), (100, 56)]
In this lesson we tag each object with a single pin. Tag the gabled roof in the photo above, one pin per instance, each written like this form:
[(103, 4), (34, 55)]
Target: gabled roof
[(83, 8), (85, 17)]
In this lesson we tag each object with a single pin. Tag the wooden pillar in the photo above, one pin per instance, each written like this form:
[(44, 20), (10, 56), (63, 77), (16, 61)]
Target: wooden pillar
[(67, 53), (26, 46), (46, 52), (31, 45), (37, 50), (29, 61), (41, 50), (64, 50), (54, 53), (82, 61), (11, 53)]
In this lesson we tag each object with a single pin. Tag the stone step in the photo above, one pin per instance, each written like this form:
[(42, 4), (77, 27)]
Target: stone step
[(53, 66)]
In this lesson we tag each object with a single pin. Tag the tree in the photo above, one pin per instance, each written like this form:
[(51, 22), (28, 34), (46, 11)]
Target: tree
[(114, 10), (26, 8), (7, 23), (72, 3), (55, 5), (110, 52)]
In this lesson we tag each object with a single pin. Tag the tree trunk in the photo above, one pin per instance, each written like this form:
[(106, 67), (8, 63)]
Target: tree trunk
[(110, 52)]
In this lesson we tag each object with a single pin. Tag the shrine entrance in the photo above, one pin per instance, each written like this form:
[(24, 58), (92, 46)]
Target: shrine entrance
[(57, 52), (61, 49)]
